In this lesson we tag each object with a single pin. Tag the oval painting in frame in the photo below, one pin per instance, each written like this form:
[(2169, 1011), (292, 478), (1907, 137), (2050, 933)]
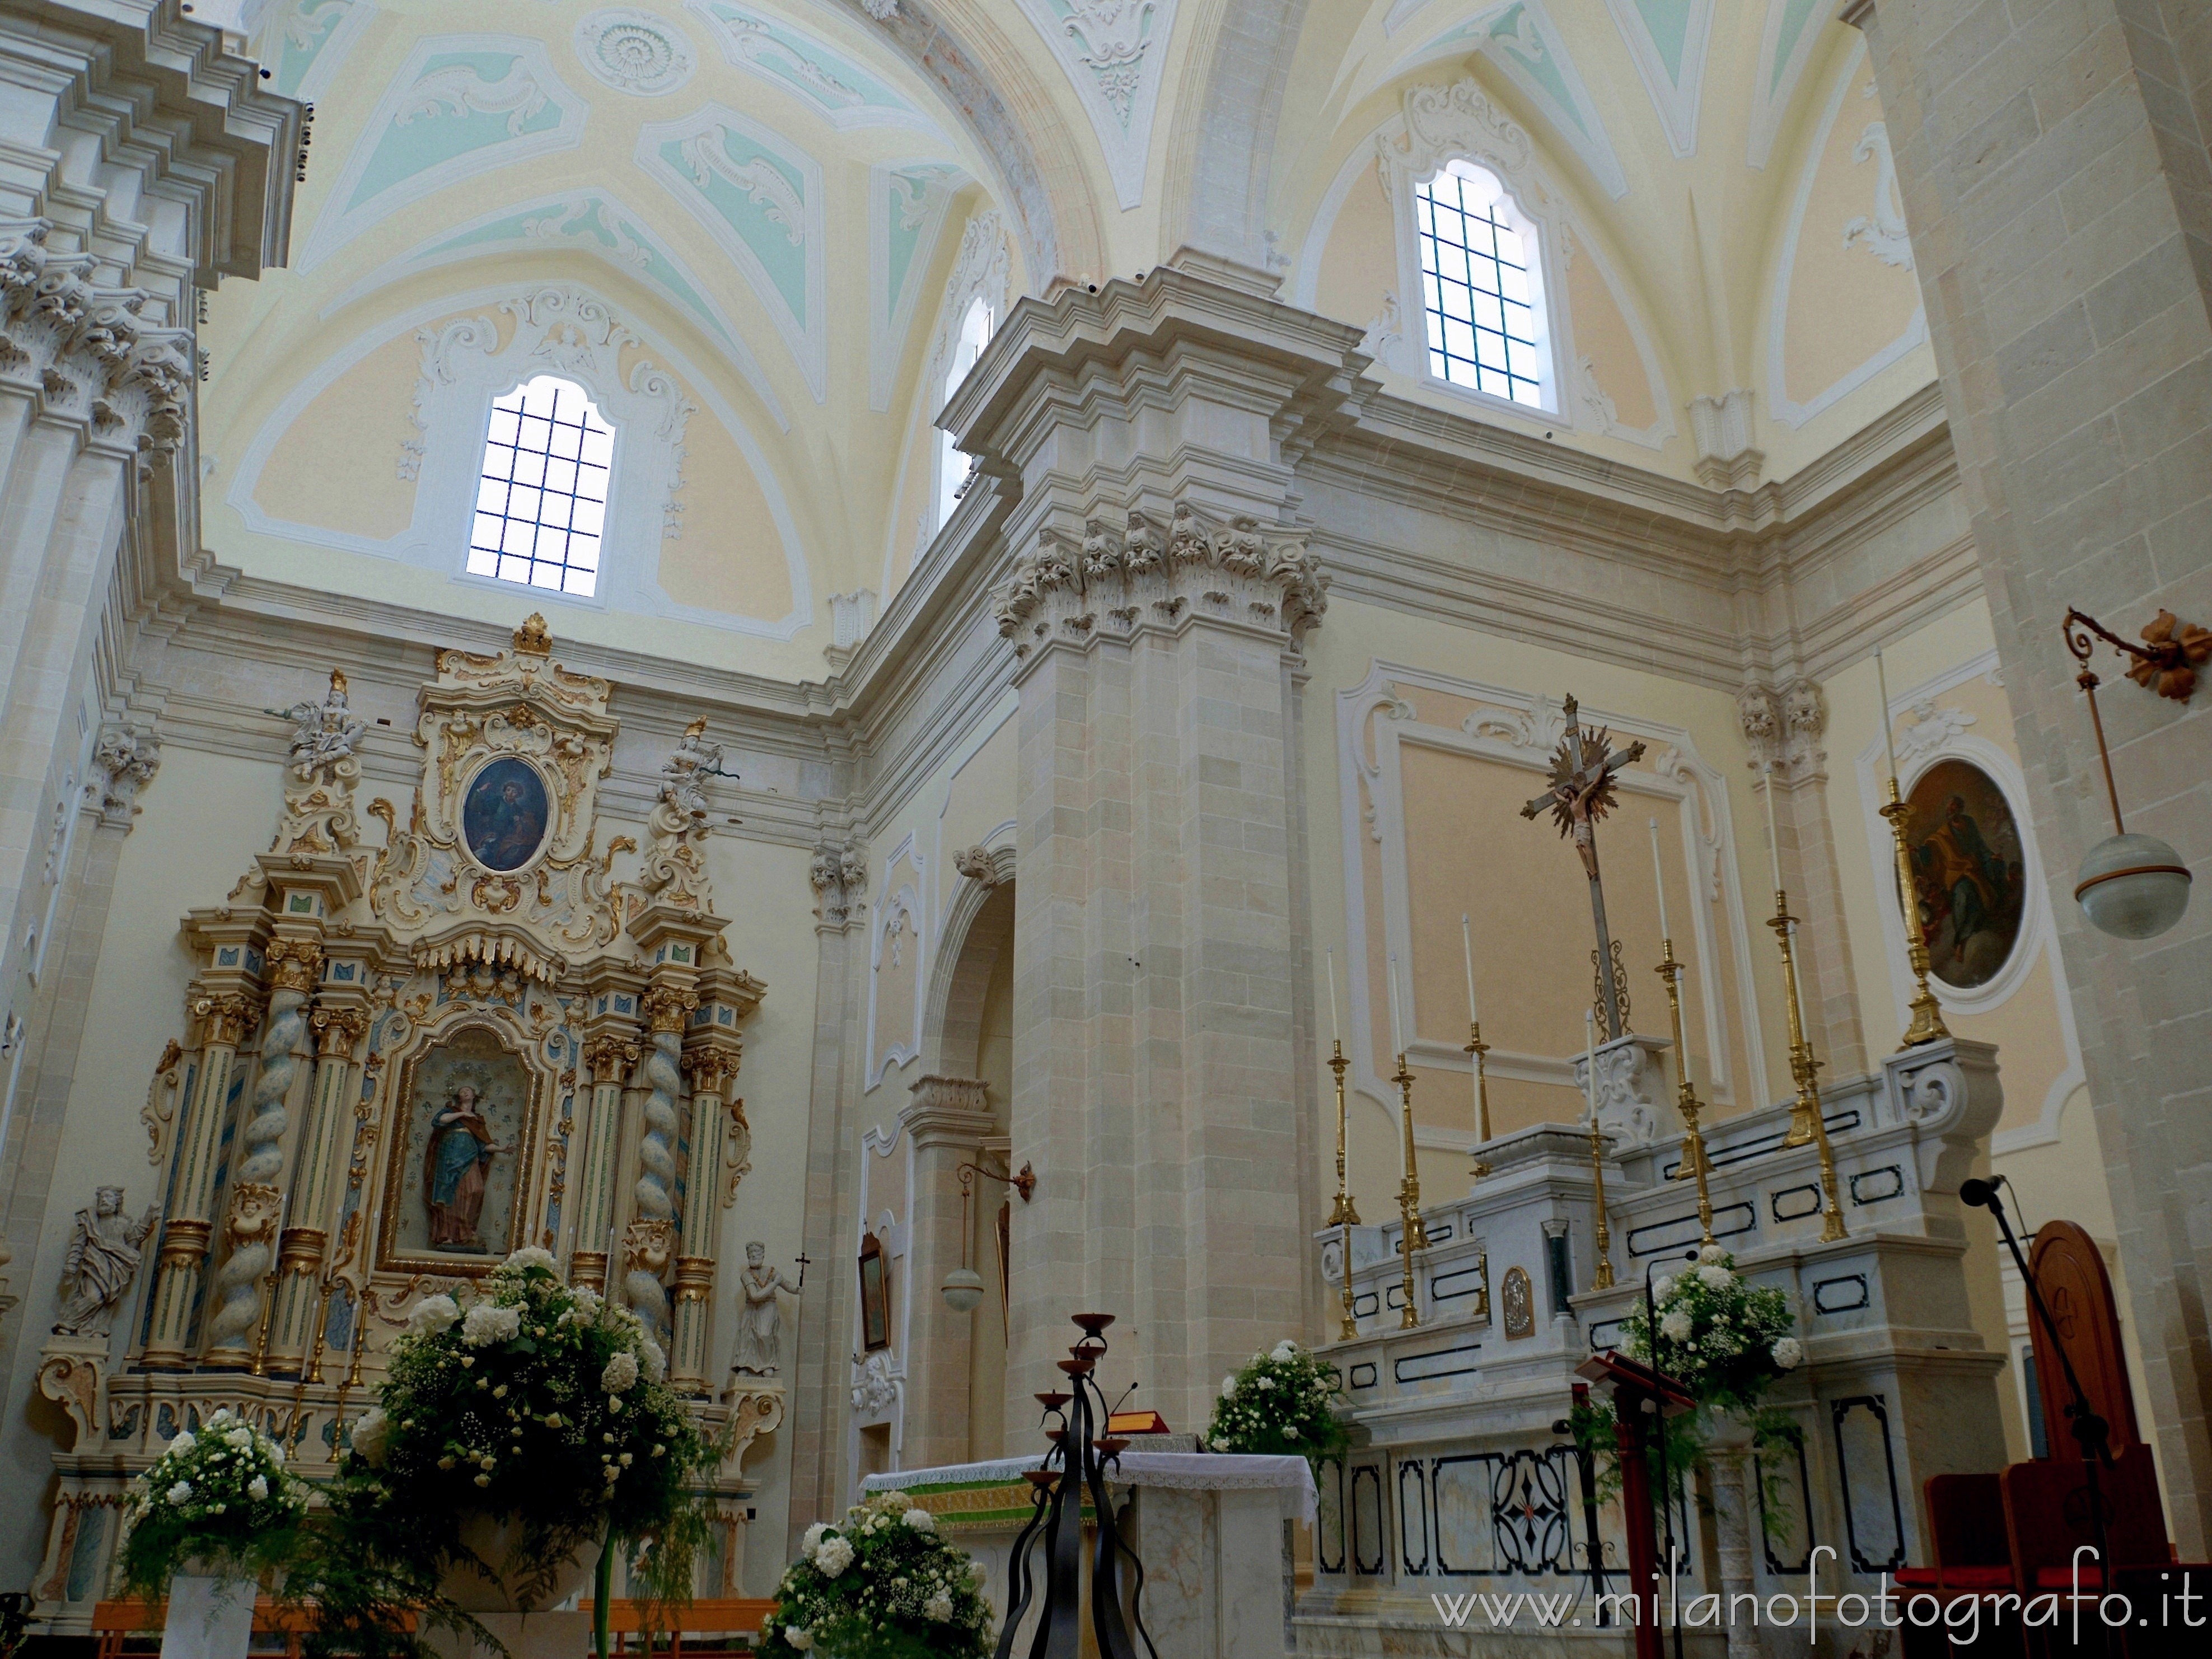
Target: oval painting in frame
[(506, 814), (1970, 871)]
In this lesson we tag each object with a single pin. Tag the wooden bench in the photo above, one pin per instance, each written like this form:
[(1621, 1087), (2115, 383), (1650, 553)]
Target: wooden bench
[(736, 1620), (114, 1623)]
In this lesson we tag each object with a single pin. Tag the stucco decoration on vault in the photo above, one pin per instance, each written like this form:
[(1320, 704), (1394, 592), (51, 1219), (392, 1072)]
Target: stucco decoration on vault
[(776, 51), (1114, 53), (461, 105)]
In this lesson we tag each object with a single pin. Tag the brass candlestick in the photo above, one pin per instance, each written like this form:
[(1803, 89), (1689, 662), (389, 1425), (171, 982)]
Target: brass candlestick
[(1695, 1166), (1476, 1049), (1603, 1281), (1413, 1236), (1805, 1120), (1345, 1214), (1927, 1016)]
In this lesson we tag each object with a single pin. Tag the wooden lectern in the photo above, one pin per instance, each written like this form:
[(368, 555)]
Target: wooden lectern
[(1641, 1397)]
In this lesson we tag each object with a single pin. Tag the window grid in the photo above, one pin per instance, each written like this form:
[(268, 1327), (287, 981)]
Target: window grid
[(1475, 292), (542, 500)]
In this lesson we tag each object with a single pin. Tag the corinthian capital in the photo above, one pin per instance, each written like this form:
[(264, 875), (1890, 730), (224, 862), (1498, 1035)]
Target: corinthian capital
[(1120, 580)]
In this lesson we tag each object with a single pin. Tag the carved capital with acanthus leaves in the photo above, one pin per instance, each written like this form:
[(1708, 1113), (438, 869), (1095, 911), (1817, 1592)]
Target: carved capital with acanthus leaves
[(225, 1018), (1124, 578), (609, 1059), (294, 963), (668, 1007), (338, 1032)]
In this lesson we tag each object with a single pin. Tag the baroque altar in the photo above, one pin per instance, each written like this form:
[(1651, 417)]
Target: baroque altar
[(507, 1024)]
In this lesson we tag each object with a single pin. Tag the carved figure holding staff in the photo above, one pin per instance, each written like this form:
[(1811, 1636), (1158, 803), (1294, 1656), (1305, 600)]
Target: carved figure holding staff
[(1583, 790)]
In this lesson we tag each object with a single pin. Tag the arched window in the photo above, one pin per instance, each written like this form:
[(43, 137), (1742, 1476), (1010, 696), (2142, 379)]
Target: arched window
[(542, 501), (1481, 286), (952, 466)]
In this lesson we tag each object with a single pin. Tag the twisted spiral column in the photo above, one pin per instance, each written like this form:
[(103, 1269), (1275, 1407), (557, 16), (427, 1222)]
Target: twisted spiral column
[(655, 1192), (261, 1159)]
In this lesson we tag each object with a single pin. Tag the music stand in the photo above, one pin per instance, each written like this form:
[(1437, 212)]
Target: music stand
[(1641, 1395)]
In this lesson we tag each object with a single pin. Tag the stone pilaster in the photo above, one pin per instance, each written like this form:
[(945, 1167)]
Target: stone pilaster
[(947, 1121), (2052, 164), (1785, 731)]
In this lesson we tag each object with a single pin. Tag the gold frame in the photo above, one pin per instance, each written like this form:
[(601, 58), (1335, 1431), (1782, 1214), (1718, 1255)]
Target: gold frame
[(529, 1208), (556, 812)]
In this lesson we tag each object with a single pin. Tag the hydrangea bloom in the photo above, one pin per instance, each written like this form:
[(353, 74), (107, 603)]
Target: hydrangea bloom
[(801, 1639), (487, 1322), (1789, 1354), (620, 1374), (938, 1607), (433, 1314), (371, 1435), (833, 1556), (920, 1521), (1716, 1277), (1676, 1325), (181, 1492)]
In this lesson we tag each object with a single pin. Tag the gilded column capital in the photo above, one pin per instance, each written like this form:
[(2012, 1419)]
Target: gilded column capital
[(225, 1017), (609, 1059), (667, 1007), (338, 1030), (294, 964)]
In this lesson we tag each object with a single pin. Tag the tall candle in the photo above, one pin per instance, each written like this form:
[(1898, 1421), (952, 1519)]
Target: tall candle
[(1334, 1034), (1590, 1061), (1659, 879), (1774, 841), (1466, 944), (1397, 1030), (1888, 738)]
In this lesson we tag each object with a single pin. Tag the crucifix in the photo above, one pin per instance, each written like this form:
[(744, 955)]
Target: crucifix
[(1583, 791)]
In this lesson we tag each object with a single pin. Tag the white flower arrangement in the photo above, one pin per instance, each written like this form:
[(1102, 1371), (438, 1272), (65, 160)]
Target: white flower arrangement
[(1284, 1401), (883, 1582), (220, 1496)]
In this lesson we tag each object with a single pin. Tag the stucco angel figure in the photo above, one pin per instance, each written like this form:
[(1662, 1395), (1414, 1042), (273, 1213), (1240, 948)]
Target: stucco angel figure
[(760, 1321), (324, 734), (102, 1260), (683, 775)]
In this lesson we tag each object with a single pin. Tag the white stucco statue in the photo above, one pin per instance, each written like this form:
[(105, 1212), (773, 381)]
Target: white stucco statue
[(760, 1321), (102, 1260)]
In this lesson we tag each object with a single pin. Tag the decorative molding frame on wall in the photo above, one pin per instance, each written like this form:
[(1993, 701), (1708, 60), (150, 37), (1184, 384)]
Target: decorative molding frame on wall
[(1947, 739), (449, 423), (795, 212), (1520, 730), (892, 904), (453, 90), (1778, 304), (1676, 94)]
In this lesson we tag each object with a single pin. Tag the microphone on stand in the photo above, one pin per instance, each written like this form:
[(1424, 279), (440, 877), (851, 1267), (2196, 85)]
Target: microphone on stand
[(1980, 1194)]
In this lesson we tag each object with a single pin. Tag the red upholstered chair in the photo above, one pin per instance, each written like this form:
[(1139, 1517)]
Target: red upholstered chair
[(1972, 1557)]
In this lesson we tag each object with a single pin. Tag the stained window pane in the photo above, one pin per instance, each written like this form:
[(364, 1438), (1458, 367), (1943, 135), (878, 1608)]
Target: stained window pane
[(541, 499)]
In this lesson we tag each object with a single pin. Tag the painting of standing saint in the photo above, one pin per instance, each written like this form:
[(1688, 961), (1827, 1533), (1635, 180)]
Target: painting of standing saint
[(455, 1184), (1970, 871)]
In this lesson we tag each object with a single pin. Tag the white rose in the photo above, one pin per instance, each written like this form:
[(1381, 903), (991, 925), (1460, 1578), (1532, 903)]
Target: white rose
[(370, 1436), (834, 1555), (920, 1520), (258, 1488), (620, 1374), (1715, 1277), (1228, 1387), (432, 1314), (1289, 1431), (801, 1639), (1789, 1354), (938, 1607), (1675, 1327), (183, 1443), (181, 1492)]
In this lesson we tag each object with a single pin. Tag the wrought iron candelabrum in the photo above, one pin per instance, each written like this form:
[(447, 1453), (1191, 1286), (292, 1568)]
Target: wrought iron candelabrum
[(1695, 1165), (1413, 1235), (1806, 1123), (1074, 1469), (1345, 1214)]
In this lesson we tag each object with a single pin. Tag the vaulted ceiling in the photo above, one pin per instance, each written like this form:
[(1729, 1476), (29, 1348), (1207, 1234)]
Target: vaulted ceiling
[(772, 196)]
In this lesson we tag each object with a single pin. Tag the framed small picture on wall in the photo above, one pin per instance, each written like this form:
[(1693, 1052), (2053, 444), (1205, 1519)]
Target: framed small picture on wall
[(875, 1296)]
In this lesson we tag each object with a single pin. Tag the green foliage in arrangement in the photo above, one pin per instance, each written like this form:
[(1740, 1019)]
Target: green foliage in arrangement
[(1283, 1403), (221, 1499), (882, 1585)]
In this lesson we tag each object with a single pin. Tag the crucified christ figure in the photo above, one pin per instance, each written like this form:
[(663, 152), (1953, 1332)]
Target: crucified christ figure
[(1583, 790)]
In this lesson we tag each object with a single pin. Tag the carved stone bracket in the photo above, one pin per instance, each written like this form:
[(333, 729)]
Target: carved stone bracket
[(1123, 579), (124, 762), (839, 875), (73, 1374), (1784, 729), (754, 1408), (987, 866)]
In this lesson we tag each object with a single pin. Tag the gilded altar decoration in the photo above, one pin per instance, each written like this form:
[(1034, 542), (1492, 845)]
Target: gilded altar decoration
[(1969, 871), (395, 1067)]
